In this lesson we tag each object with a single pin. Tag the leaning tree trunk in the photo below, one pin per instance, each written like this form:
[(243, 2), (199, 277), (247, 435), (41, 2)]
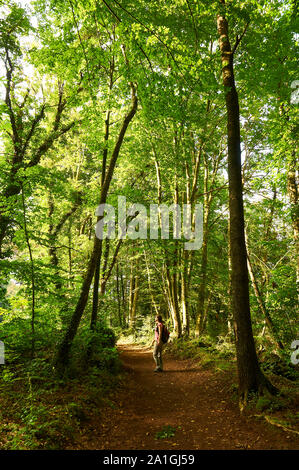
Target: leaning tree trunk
[(95, 300), (268, 319), (62, 357), (250, 375)]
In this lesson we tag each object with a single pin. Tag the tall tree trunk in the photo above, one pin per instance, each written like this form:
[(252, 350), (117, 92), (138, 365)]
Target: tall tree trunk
[(32, 275), (204, 255), (184, 293), (188, 256), (150, 284), (172, 298), (230, 320), (133, 294), (133, 306), (260, 301), (70, 252), (103, 279), (250, 375), (123, 296), (169, 263), (206, 310), (54, 231), (118, 297), (293, 192), (62, 357), (95, 300), (208, 197)]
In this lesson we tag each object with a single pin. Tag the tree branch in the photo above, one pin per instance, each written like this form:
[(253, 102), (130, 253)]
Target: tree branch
[(9, 70), (48, 142), (67, 215), (34, 124), (239, 39)]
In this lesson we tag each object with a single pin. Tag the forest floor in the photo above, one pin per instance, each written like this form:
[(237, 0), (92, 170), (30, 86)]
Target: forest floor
[(186, 407)]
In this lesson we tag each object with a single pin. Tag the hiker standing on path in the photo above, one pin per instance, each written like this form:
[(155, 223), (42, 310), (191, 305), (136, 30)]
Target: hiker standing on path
[(158, 347)]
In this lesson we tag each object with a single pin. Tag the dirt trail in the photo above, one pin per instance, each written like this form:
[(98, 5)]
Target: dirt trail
[(196, 402)]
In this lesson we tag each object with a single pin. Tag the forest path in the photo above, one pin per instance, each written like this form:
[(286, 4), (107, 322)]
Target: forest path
[(195, 402)]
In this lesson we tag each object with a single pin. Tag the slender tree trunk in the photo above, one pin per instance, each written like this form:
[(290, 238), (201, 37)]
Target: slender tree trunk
[(204, 256), (52, 249), (184, 294), (171, 279), (95, 296), (70, 252), (250, 375), (118, 297), (32, 276), (105, 271), (185, 265), (293, 192), (150, 284), (206, 310), (95, 300), (208, 197), (173, 302), (54, 231), (134, 302), (133, 295), (187, 256), (175, 277), (99, 285), (123, 296), (260, 301), (230, 320)]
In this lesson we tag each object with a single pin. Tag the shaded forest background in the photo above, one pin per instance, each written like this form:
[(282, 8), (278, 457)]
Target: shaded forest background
[(101, 99)]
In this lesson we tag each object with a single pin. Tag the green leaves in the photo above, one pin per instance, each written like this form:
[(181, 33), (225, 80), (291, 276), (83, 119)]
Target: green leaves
[(166, 432), (77, 63)]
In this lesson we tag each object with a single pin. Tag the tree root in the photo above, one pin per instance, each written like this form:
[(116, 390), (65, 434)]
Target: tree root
[(264, 387), (274, 423), (267, 388)]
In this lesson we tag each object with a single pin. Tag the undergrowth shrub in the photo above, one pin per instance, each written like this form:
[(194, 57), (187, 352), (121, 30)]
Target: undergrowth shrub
[(94, 348), (278, 364)]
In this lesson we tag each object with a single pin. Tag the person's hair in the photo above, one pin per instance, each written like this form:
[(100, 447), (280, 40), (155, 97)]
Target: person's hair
[(159, 317)]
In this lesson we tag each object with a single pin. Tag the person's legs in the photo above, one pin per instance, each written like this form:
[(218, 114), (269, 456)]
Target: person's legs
[(155, 354), (161, 362), (158, 356)]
